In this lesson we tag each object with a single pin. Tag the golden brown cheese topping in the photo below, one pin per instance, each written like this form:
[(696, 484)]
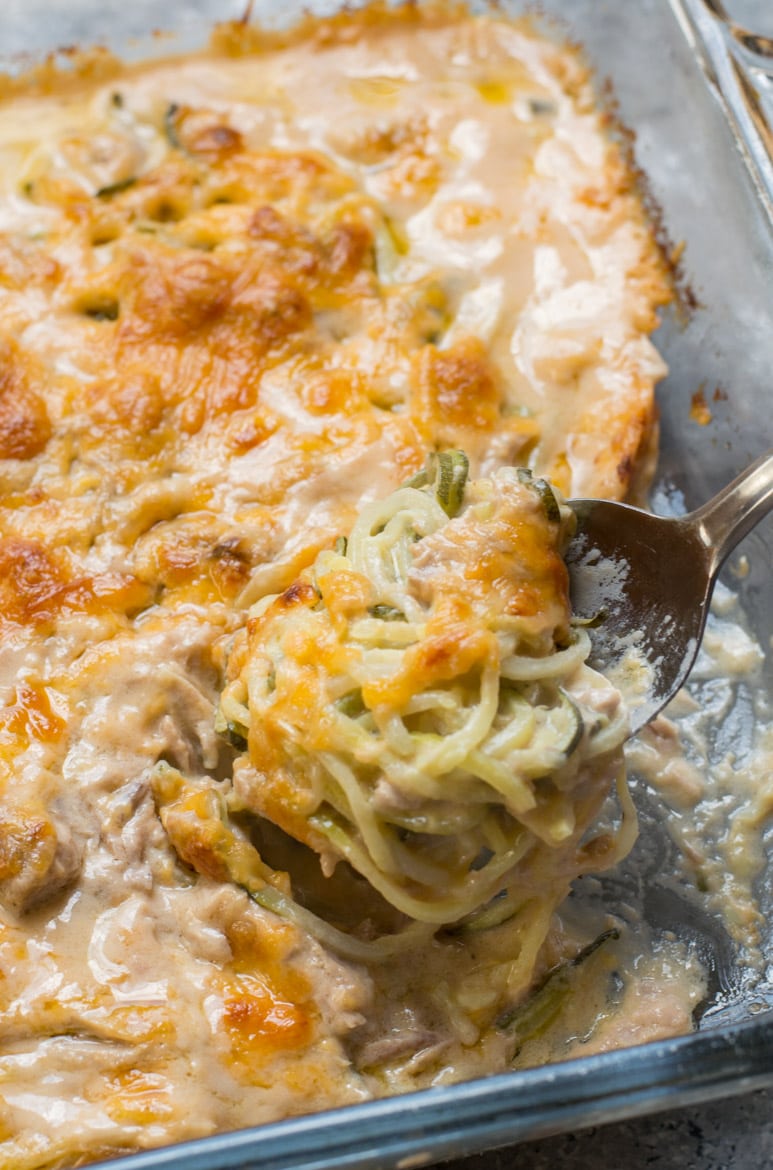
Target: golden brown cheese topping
[(241, 296)]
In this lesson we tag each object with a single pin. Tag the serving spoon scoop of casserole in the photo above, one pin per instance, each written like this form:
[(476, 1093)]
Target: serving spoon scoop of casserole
[(643, 583)]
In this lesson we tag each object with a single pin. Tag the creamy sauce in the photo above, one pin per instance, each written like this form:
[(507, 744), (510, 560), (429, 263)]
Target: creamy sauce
[(240, 296), (709, 760)]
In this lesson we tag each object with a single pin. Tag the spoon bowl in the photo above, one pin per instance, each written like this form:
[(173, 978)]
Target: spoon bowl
[(643, 583)]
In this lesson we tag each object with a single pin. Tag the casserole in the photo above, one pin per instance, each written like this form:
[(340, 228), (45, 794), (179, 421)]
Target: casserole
[(694, 390)]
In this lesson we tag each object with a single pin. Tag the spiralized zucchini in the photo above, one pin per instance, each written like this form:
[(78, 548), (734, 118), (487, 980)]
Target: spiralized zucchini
[(418, 704)]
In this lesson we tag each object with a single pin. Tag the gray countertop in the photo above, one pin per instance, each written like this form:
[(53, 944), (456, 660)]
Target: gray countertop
[(734, 1134)]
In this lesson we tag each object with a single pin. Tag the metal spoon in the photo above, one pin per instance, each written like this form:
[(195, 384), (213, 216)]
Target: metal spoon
[(645, 583)]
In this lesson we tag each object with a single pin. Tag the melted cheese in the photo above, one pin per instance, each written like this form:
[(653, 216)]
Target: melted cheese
[(241, 295)]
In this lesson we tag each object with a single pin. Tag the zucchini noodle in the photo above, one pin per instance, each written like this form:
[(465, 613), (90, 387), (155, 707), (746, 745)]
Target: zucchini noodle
[(418, 705)]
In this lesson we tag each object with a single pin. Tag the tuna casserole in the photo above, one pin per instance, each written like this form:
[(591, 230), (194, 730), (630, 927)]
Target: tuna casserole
[(300, 756)]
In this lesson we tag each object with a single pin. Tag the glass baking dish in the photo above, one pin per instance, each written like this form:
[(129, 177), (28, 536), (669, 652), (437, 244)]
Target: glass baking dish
[(695, 85)]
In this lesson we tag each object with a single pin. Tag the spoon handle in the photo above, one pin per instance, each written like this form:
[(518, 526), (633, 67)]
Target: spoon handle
[(724, 521)]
